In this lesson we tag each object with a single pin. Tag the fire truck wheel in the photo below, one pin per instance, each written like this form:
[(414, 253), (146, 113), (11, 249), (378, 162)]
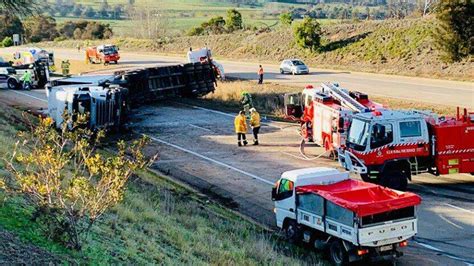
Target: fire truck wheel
[(337, 253), (292, 232), (394, 179)]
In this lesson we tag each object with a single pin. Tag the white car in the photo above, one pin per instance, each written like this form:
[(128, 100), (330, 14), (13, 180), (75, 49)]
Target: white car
[(293, 66)]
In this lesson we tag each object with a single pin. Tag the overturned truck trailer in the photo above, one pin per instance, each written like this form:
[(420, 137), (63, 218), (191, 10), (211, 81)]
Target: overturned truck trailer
[(108, 98)]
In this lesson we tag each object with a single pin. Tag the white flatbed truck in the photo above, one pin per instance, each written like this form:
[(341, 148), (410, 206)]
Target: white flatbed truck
[(352, 219)]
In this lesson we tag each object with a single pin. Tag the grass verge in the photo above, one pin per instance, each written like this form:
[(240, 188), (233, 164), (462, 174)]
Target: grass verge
[(159, 222)]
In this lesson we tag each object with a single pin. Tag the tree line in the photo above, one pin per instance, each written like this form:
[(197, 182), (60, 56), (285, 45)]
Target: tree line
[(103, 11), (38, 28)]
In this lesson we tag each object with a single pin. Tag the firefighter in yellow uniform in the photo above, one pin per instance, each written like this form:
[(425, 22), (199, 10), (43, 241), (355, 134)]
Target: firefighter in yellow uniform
[(255, 124), (65, 67), (240, 125)]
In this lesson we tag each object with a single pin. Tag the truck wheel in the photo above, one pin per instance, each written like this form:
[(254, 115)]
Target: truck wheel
[(337, 253), (365, 177), (292, 232), (394, 179), (281, 71), (12, 84)]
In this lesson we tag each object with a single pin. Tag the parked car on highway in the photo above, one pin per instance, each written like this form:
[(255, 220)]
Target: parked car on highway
[(293, 66)]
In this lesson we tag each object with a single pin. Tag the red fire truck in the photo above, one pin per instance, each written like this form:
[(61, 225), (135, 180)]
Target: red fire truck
[(325, 113), (103, 54), (388, 147)]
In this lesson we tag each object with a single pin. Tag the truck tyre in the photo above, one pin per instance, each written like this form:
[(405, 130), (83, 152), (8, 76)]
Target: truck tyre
[(12, 84), (337, 253), (292, 232), (394, 178), (281, 71), (365, 177)]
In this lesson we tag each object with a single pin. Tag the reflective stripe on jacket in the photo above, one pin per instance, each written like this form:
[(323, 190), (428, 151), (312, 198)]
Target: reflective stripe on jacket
[(240, 124), (255, 119)]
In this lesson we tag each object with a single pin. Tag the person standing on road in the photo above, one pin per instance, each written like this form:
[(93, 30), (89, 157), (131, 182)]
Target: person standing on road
[(260, 75), (240, 124), (26, 78), (255, 124), (246, 102)]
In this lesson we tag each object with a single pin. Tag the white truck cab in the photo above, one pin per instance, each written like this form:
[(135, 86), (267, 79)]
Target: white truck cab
[(103, 105), (204, 54), (353, 219)]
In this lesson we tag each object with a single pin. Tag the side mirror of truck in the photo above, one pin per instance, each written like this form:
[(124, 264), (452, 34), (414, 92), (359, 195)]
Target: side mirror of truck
[(274, 193), (341, 123)]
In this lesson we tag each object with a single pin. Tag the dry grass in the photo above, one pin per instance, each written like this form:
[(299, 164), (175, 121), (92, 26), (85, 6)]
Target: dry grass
[(268, 98)]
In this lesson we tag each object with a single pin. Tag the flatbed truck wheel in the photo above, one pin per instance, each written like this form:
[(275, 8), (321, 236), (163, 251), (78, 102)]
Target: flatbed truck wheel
[(337, 253), (292, 232)]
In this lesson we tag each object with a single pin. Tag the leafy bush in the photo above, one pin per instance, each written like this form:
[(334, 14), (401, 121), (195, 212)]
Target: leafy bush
[(196, 31), (85, 30), (68, 182), (286, 19), (234, 20), (10, 25), (455, 33), (7, 42), (308, 34), (40, 28)]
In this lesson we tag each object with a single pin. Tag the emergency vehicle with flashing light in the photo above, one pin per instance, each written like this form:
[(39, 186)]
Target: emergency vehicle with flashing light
[(353, 219)]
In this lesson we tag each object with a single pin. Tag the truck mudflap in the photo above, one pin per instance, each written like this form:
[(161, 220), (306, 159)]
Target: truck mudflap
[(350, 162), (387, 234)]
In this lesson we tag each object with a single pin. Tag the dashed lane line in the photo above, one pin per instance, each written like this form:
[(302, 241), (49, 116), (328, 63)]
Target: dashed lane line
[(212, 160), (202, 128), (28, 95)]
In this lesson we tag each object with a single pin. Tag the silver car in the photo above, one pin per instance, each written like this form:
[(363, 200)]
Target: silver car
[(293, 66)]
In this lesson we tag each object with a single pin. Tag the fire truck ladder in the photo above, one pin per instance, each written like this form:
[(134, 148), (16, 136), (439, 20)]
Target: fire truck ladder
[(345, 99)]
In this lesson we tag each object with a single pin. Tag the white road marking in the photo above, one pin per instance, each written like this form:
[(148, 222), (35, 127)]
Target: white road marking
[(459, 208), (212, 160), (213, 111), (428, 246), (449, 222), (292, 155), (229, 115), (31, 96), (203, 128)]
